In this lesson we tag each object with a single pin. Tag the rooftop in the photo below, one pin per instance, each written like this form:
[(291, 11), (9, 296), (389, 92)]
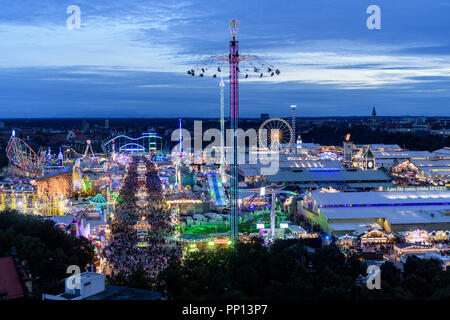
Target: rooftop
[(329, 176), (379, 147), (397, 207), (403, 154), (10, 283), (375, 197), (125, 293), (444, 152)]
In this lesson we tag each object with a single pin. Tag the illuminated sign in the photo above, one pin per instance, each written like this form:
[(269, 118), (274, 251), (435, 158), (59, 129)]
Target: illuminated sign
[(432, 188)]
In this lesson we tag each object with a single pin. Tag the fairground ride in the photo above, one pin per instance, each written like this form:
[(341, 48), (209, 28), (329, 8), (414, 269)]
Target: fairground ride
[(148, 143), (23, 159), (239, 66), (275, 133), (70, 152), (273, 191)]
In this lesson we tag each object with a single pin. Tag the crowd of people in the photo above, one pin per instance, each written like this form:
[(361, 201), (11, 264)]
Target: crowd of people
[(126, 249)]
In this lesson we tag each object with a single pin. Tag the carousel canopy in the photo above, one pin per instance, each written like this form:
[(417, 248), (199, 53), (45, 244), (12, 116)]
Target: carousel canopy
[(98, 200)]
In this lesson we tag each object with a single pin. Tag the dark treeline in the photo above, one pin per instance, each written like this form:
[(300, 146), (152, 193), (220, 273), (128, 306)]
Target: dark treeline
[(46, 249), (360, 134), (287, 270)]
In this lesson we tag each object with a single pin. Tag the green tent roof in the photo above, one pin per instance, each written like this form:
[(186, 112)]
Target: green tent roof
[(98, 200)]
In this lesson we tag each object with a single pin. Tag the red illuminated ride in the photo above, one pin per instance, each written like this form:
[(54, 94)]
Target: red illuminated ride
[(23, 158)]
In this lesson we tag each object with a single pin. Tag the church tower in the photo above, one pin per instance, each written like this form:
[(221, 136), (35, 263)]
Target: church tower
[(374, 117)]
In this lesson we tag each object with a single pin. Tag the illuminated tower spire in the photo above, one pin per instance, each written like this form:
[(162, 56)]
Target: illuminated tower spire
[(180, 155), (222, 130), (180, 139), (234, 119), (374, 117), (60, 157), (293, 120), (251, 64)]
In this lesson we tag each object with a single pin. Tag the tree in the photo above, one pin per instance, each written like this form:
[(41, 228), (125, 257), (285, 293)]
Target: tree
[(423, 268), (47, 249), (285, 270), (390, 273)]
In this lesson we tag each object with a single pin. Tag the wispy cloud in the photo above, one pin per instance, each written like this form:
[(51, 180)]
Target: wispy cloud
[(138, 45)]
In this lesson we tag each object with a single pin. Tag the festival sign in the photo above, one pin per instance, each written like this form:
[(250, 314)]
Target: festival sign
[(428, 188)]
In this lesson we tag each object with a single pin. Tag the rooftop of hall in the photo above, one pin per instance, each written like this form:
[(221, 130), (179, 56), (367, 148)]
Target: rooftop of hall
[(329, 175)]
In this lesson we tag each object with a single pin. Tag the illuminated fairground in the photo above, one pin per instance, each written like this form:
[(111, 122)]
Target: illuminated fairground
[(142, 206)]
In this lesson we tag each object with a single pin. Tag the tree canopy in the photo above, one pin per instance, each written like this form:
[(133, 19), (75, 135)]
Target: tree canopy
[(288, 270), (47, 249)]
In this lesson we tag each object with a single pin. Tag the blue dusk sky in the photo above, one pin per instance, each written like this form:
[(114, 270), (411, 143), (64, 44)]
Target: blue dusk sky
[(129, 58)]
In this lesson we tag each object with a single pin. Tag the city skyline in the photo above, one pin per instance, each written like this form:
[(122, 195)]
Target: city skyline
[(331, 63)]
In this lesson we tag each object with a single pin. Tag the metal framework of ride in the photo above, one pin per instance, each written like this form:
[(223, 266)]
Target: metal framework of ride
[(273, 191), (148, 143), (23, 158)]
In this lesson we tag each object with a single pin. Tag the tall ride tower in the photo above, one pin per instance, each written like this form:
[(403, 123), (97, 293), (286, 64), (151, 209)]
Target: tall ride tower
[(293, 138), (234, 119), (222, 130), (180, 155), (249, 64)]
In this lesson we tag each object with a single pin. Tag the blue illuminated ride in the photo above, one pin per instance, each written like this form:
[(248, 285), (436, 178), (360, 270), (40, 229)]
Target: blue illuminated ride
[(148, 143)]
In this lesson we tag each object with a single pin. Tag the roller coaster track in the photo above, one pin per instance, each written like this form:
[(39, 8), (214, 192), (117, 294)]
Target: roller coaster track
[(22, 157)]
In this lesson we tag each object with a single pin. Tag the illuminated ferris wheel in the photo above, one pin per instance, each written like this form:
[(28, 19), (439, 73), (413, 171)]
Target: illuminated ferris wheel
[(275, 133)]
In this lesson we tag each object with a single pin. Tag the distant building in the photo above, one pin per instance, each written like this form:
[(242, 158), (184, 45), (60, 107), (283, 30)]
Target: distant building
[(432, 171), (441, 132), (107, 124), (443, 153), (348, 150), (389, 159), (56, 184), (394, 211), (85, 126), (369, 160), (335, 177), (374, 117), (299, 144), (76, 136), (385, 147), (264, 116)]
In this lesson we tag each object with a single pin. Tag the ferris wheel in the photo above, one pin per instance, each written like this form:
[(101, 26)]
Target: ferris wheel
[(275, 132)]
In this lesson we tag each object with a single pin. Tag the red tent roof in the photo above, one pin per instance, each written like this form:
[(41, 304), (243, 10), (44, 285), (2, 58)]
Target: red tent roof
[(10, 284)]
